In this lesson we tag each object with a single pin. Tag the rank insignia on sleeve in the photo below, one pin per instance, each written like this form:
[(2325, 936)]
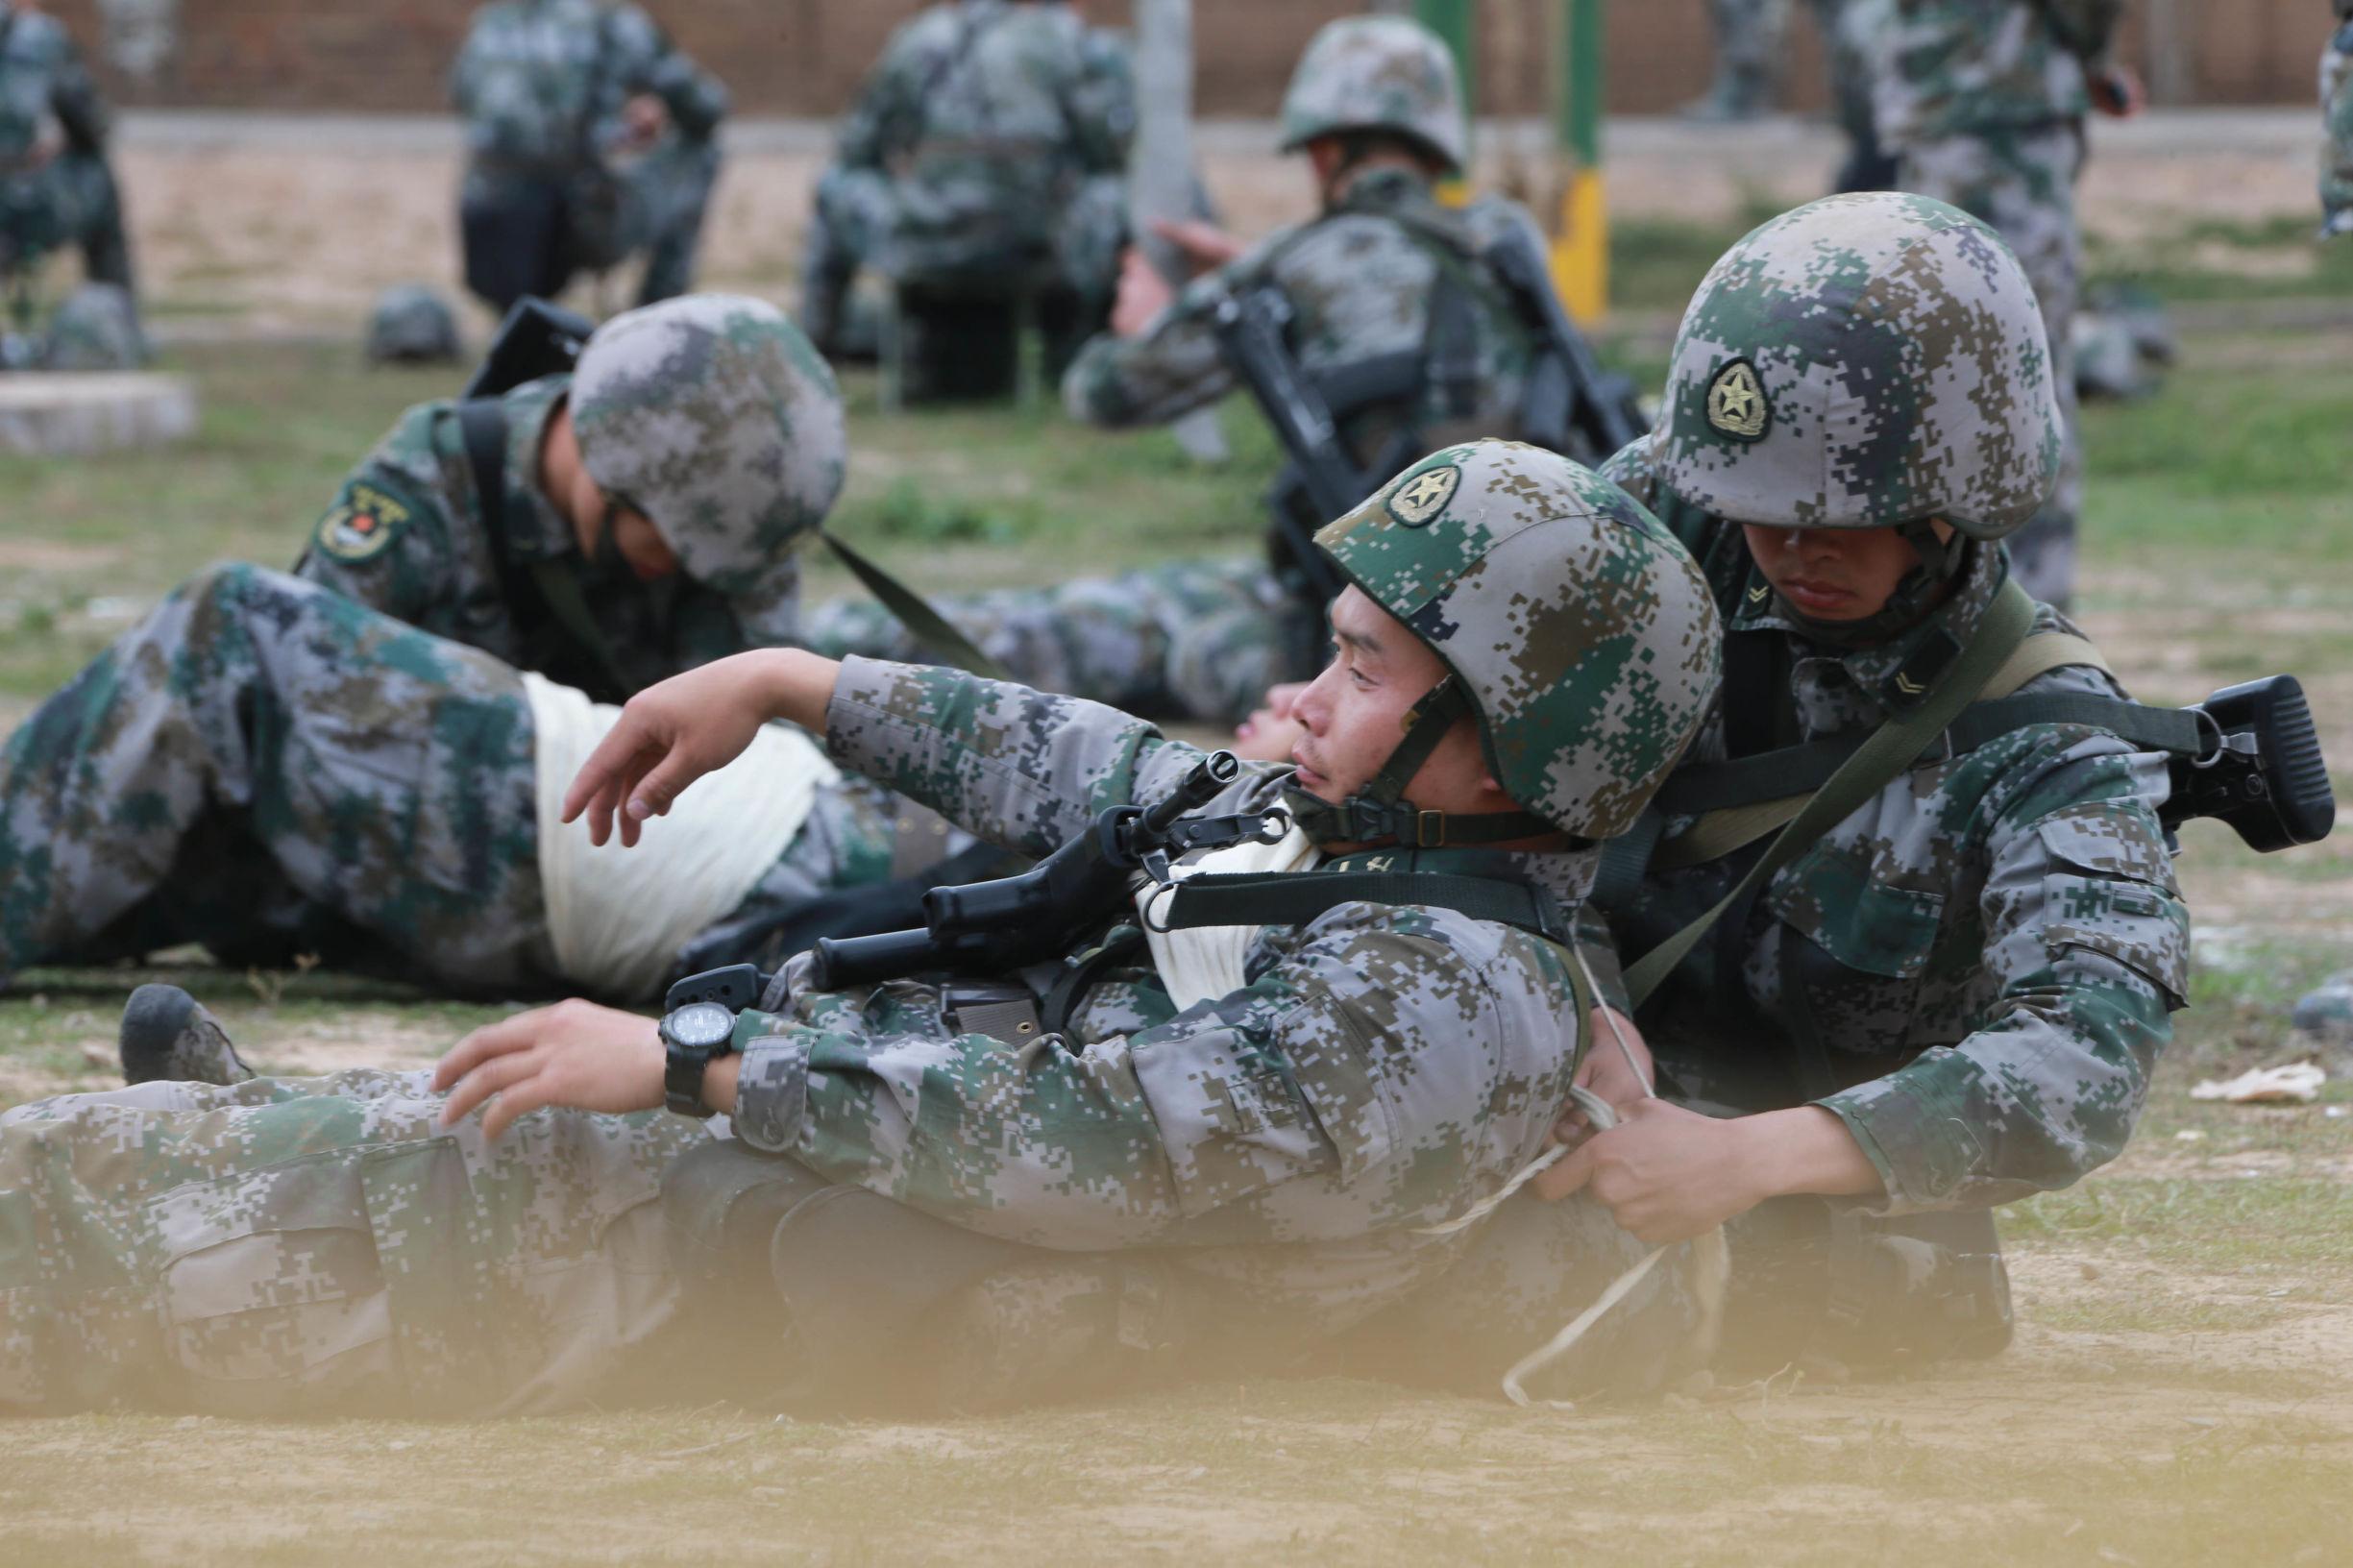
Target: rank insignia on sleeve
[(363, 520), (1425, 496), (1736, 404)]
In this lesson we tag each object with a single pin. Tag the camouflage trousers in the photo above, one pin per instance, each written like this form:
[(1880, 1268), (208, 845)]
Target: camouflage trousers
[(305, 1246), (674, 185), (71, 201), (1198, 640), (269, 769), (2022, 181)]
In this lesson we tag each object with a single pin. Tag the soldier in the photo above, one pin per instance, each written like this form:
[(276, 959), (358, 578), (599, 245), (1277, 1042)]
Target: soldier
[(1748, 36), (557, 94), (1384, 278), (2336, 115), (1275, 1114), (1983, 106), (272, 769), (56, 186), (1955, 995), (636, 524), (985, 159)]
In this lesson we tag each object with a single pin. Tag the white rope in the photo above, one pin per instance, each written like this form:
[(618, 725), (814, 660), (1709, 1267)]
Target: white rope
[(1710, 1258)]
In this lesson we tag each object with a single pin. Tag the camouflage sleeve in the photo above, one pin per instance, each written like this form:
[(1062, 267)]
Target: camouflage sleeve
[(1311, 1105), (883, 120), (1015, 766), (2085, 28), (2086, 934), (383, 541), (696, 100), (1172, 368), (1101, 104)]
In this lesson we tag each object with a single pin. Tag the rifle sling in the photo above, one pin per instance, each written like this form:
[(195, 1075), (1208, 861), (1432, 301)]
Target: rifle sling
[(915, 613), (1884, 754)]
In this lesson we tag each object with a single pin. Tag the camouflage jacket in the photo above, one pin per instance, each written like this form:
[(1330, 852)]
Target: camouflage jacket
[(2336, 115), (1960, 67), (43, 81), (1360, 280), (407, 535), (540, 83), (1984, 956), (1384, 1067), (986, 116)]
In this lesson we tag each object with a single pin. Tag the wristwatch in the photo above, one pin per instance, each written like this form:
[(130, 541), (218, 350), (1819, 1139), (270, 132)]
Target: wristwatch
[(691, 1037)]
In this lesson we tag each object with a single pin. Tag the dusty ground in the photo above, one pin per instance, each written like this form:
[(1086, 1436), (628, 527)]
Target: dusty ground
[(2181, 1391)]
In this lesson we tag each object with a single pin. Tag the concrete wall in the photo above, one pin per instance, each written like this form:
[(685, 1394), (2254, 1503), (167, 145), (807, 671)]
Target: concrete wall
[(806, 57)]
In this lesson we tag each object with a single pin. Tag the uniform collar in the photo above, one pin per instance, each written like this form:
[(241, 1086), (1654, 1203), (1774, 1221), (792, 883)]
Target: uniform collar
[(1388, 188), (1898, 672)]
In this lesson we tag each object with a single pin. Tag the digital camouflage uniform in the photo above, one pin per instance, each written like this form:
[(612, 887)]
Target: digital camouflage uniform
[(712, 414), (1974, 970), (271, 768), (986, 156), (1982, 104), (56, 187), (2336, 115), (1750, 36), (1205, 639), (1267, 1157), (541, 84)]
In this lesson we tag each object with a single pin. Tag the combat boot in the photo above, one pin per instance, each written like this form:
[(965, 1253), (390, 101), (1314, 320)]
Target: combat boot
[(168, 1033)]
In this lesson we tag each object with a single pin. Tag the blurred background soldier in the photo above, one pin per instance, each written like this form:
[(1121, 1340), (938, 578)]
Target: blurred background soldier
[(557, 95), (2336, 113), (1386, 291), (1983, 106), (1748, 36), (411, 324), (56, 188), (982, 173)]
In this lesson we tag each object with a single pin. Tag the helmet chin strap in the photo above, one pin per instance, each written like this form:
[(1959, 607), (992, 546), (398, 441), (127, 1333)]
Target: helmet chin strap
[(1379, 811)]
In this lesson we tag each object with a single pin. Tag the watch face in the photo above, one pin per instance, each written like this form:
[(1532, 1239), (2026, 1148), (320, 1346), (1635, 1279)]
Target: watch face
[(700, 1025)]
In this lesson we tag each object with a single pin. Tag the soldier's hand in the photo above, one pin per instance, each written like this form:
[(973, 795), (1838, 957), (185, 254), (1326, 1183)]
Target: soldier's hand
[(674, 732), (646, 117), (2116, 91), (1664, 1173), (1206, 247), (1143, 294), (574, 1054), (1606, 1071)]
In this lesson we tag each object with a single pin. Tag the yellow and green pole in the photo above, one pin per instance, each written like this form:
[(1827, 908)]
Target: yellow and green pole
[(1581, 239)]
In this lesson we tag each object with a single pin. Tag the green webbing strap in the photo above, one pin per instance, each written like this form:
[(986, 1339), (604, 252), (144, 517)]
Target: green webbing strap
[(1885, 753), (915, 614), (1724, 830), (2152, 730), (1296, 897), (561, 592)]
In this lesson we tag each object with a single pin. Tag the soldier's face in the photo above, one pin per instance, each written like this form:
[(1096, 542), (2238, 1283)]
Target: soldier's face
[(641, 546), (1834, 574), (1355, 714)]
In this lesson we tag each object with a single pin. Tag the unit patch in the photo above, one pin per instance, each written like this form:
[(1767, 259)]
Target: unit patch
[(363, 520), (1736, 404), (1425, 496)]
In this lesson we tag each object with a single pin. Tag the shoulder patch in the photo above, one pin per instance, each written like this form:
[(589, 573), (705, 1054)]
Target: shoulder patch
[(364, 521)]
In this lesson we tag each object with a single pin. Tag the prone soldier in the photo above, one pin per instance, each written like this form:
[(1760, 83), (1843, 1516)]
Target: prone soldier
[(1265, 1129)]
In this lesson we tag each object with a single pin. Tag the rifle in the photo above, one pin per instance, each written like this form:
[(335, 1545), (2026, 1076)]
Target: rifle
[(1572, 406), (1249, 326)]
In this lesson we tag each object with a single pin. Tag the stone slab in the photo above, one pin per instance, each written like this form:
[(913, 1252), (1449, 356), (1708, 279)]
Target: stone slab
[(76, 413)]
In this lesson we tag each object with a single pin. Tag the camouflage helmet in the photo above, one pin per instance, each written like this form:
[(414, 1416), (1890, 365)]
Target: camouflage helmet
[(1376, 73), (715, 417), (1580, 631), (411, 324), (96, 328), (1864, 361)]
